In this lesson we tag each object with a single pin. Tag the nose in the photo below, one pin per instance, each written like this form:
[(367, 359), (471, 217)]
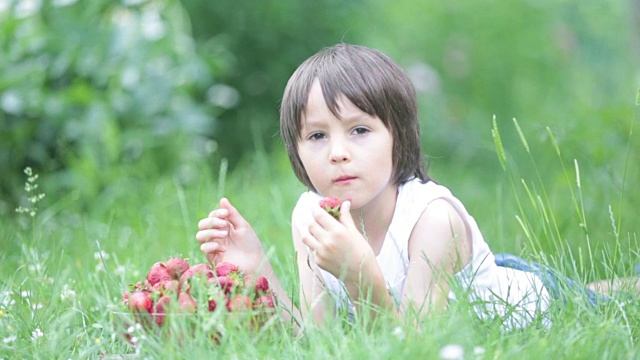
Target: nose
[(339, 152)]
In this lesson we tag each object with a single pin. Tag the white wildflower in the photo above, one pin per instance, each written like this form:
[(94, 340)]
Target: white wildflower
[(9, 339), (36, 334), (398, 333), (452, 352), (120, 269), (478, 351), (101, 255), (67, 293)]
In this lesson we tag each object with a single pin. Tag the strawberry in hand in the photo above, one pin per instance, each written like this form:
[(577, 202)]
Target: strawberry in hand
[(332, 206)]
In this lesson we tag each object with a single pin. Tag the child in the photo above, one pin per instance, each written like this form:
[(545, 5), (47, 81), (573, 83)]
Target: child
[(402, 242)]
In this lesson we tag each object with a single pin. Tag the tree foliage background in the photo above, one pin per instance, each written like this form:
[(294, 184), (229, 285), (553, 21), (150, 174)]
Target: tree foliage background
[(105, 96)]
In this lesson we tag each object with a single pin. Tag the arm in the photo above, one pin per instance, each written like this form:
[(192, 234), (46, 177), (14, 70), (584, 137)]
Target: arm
[(439, 246), (340, 249), (226, 236), (313, 297)]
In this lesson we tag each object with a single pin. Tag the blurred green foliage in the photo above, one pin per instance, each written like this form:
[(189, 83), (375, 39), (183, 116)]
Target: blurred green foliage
[(262, 42), (90, 91)]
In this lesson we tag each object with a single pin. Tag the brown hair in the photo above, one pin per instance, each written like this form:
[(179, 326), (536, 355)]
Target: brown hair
[(373, 83)]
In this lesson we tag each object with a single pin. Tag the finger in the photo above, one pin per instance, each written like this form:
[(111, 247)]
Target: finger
[(212, 248), (311, 242), (345, 213), (213, 251), (219, 213), (213, 223), (234, 216), (204, 236), (321, 216)]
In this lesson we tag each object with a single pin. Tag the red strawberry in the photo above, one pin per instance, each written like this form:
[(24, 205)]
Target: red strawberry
[(226, 283), (167, 286), (125, 298), (161, 307), (201, 269), (262, 285), (225, 268), (158, 273), (140, 301), (239, 302), (187, 303), (331, 205), (216, 294), (176, 267), (212, 305), (265, 301)]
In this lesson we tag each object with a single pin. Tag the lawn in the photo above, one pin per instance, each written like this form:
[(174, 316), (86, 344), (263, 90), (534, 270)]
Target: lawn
[(67, 266)]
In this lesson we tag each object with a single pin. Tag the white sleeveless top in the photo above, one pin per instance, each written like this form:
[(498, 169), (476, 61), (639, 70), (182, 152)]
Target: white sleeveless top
[(513, 295)]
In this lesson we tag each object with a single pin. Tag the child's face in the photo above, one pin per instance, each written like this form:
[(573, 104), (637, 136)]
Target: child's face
[(348, 157)]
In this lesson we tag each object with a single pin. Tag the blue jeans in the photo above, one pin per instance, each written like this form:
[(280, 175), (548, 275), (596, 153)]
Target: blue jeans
[(557, 284)]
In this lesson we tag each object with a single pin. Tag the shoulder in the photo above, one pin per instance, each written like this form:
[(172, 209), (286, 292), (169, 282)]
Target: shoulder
[(442, 234)]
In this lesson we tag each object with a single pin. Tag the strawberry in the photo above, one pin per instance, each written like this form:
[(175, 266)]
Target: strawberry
[(216, 294), (265, 301), (158, 273), (239, 302), (176, 267), (140, 301), (226, 283), (200, 269), (331, 205), (161, 308), (225, 268), (167, 287), (186, 303), (262, 285)]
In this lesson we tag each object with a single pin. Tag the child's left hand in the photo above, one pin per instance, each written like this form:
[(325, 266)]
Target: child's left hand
[(338, 246)]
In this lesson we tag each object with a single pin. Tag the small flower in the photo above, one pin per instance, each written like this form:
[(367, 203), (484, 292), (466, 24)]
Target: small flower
[(9, 339), (25, 294), (452, 352), (37, 333), (98, 340), (1, 313), (67, 293), (36, 306), (398, 333), (101, 255), (120, 269), (478, 351)]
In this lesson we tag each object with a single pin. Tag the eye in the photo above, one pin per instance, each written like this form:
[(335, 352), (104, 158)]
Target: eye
[(360, 130), (316, 136)]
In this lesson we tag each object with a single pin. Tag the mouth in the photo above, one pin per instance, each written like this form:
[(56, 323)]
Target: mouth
[(343, 179)]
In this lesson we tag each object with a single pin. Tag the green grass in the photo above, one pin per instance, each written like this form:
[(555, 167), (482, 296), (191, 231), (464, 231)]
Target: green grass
[(65, 269)]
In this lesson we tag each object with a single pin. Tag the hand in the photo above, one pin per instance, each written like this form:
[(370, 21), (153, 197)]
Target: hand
[(338, 246), (226, 236)]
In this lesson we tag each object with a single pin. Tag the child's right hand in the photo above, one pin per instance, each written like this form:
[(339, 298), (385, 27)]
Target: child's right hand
[(226, 236)]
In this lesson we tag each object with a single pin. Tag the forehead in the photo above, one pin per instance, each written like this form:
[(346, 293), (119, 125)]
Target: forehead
[(319, 109)]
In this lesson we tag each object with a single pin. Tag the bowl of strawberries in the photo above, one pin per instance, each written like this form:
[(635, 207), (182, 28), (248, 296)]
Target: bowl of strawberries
[(175, 290)]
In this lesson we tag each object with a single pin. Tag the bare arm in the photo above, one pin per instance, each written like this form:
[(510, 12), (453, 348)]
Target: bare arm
[(340, 249), (226, 236), (439, 246)]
